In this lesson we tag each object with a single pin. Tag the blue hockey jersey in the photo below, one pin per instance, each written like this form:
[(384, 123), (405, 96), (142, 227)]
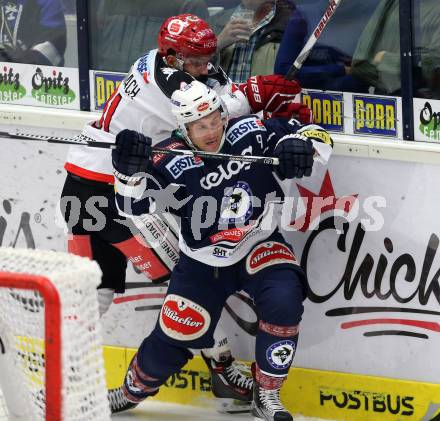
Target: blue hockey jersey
[(225, 207)]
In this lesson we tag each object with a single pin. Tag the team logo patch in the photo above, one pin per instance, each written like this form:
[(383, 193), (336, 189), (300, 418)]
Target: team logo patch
[(142, 65), (318, 135), (237, 204), (168, 72), (182, 319), (203, 106), (157, 157), (233, 235), (268, 254), (176, 26), (210, 44), (131, 382), (215, 178), (220, 252), (242, 128), (280, 354), (180, 164)]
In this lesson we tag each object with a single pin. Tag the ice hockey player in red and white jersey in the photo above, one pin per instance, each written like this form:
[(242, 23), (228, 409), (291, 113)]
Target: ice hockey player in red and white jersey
[(186, 47)]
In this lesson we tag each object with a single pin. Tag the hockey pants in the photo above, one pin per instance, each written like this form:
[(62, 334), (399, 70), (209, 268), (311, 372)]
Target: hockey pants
[(192, 308)]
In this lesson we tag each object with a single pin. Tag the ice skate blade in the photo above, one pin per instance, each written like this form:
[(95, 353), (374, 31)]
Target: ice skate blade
[(233, 406)]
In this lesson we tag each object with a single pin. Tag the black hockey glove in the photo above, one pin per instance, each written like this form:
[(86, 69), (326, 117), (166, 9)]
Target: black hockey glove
[(295, 154), (132, 153)]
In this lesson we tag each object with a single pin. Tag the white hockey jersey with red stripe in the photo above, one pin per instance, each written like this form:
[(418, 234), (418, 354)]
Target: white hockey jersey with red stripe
[(142, 103)]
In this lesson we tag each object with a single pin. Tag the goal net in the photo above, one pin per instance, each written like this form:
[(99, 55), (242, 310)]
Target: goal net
[(51, 361)]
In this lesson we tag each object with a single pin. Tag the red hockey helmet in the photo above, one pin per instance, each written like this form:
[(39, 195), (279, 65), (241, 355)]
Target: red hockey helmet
[(187, 35)]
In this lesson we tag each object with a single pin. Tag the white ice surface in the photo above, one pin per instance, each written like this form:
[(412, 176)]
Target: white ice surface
[(158, 411)]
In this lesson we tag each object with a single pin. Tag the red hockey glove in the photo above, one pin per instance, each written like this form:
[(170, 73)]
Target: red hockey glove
[(295, 110), (269, 92)]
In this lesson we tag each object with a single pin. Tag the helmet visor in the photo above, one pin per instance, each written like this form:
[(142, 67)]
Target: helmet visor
[(198, 61)]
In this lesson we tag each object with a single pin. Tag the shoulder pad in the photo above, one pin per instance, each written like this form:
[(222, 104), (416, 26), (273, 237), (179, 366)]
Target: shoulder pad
[(169, 79), (142, 64), (170, 143), (240, 127)]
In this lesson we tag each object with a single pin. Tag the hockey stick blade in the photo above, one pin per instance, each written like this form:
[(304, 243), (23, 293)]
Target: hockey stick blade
[(304, 53), (82, 140)]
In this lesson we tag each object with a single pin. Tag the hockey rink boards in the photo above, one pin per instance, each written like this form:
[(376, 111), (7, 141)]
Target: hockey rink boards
[(354, 377), (311, 393)]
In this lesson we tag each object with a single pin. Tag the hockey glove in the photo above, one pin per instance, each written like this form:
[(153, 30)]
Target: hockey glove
[(269, 93), (132, 154), (295, 154), (296, 110)]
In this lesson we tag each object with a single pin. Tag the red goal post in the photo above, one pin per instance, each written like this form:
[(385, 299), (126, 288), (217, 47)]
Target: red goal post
[(51, 362)]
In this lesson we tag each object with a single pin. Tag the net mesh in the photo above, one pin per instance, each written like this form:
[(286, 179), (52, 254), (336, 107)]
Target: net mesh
[(23, 365)]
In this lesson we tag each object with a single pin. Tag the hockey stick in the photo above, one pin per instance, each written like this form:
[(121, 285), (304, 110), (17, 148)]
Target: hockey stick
[(221, 156), (304, 53), (83, 140)]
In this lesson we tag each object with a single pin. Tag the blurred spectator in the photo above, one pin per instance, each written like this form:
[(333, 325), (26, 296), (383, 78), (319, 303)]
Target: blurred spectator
[(292, 42), (330, 59), (69, 6), (122, 30), (33, 31), (248, 46), (427, 48), (376, 61)]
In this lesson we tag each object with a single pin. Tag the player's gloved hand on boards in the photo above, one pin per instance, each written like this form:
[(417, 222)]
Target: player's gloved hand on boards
[(132, 153), (295, 153), (296, 110), (315, 132), (270, 92)]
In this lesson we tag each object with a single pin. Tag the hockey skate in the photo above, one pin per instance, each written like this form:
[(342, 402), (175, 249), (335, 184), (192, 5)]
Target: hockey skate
[(230, 385), (267, 404), (132, 392), (118, 401)]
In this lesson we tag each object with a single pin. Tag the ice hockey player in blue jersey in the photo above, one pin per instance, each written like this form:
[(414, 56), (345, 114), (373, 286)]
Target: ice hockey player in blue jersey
[(229, 237)]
